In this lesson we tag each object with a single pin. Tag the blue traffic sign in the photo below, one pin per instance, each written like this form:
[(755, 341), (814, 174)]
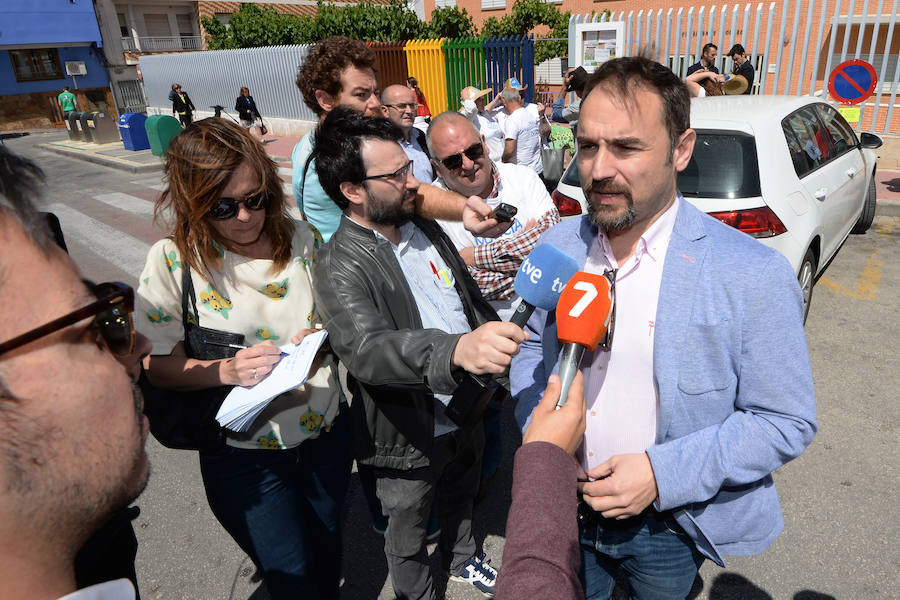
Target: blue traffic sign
[(852, 81)]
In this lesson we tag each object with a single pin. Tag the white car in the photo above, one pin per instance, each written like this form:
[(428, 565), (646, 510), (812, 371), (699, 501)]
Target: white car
[(786, 170)]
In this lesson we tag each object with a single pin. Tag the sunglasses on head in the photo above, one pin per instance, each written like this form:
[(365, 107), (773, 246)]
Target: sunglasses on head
[(606, 342), (455, 161), (226, 208), (112, 319)]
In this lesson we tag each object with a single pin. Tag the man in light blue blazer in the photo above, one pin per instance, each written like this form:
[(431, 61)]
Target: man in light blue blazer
[(706, 387)]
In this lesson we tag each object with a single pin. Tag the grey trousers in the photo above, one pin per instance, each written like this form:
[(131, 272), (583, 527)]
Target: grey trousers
[(406, 497)]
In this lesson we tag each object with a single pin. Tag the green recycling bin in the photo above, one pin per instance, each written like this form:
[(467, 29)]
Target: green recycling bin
[(161, 130)]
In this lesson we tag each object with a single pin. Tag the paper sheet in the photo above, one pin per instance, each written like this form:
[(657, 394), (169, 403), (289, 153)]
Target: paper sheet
[(243, 404)]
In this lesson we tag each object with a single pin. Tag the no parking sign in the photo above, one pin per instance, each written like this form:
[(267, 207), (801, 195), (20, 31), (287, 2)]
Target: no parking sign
[(852, 81)]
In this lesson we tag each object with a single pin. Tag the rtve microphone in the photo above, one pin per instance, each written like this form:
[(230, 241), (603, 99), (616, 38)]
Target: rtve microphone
[(582, 319), (540, 280)]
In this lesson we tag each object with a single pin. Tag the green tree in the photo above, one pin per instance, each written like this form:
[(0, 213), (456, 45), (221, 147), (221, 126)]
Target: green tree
[(252, 26), (450, 22), (524, 17)]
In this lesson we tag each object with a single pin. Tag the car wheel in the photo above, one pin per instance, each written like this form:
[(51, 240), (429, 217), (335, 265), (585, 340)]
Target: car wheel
[(868, 212), (807, 278)]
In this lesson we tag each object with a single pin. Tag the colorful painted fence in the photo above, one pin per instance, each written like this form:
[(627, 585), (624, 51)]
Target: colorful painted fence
[(426, 63)]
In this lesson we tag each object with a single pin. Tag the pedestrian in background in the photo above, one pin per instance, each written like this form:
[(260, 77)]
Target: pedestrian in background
[(423, 113), (181, 104), (742, 66), (278, 488), (248, 112), (68, 102)]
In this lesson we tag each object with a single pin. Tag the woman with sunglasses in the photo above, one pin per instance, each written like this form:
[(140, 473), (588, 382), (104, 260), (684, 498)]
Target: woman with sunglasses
[(277, 489)]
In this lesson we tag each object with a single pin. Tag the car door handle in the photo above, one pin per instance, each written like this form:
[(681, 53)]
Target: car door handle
[(820, 193), (851, 173)]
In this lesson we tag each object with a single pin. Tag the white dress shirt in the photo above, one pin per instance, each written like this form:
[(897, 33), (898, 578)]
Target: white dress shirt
[(621, 394)]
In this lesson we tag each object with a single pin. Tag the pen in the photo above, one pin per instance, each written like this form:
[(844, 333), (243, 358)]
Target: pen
[(235, 346)]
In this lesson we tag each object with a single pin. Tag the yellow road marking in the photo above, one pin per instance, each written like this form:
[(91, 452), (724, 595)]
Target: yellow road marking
[(866, 284)]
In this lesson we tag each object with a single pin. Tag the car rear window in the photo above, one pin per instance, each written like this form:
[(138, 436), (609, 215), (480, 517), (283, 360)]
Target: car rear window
[(723, 165)]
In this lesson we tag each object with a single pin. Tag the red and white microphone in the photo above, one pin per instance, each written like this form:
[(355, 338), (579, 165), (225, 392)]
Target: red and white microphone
[(582, 319)]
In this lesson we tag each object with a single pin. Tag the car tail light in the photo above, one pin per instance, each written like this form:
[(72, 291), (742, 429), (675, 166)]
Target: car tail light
[(565, 205), (758, 222)]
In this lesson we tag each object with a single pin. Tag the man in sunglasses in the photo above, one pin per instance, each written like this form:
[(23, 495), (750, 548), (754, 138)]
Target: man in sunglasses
[(690, 404), (405, 317), (460, 157), (72, 431), (400, 102)]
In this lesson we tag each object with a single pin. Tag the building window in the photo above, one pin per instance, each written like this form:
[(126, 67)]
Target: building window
[(223, 18), (490, 4), (444, 3), (37, 64)]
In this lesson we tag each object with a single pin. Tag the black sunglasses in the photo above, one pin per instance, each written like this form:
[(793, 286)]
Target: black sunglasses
[(454, 161), (606, 342), (226, 208), (112, 319)]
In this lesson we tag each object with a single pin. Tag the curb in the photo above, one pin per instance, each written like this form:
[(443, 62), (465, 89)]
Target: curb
[(887, 208), (101, 160)]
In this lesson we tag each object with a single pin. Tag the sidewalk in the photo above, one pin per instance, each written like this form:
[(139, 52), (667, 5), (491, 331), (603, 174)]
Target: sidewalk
[(116, 156)]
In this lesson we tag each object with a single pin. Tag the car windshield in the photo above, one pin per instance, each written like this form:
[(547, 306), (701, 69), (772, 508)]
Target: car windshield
[(723, 166)]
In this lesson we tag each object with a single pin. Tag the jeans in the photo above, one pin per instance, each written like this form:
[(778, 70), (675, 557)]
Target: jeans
[(407, 497), (658, 558), (283, 508)]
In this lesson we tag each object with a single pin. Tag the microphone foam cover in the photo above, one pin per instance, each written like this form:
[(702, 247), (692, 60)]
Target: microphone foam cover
[(584, 310), (543, 275)]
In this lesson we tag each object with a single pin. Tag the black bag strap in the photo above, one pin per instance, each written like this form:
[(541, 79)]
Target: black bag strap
[(303, 179), (187, 290)]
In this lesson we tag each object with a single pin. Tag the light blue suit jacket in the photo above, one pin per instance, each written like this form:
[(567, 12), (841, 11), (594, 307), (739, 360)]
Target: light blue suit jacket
[(736, 397)]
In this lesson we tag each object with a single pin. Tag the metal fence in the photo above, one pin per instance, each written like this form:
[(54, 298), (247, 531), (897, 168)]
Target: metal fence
[(390, 63), (465, 66), (216, 77), (131, 92), (510, 56), (795, 45)]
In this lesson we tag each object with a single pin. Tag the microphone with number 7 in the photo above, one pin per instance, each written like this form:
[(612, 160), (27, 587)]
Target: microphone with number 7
[(582, 319), (540, 280)]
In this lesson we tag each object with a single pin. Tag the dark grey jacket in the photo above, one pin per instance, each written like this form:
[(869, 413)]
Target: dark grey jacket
[(375, 329)]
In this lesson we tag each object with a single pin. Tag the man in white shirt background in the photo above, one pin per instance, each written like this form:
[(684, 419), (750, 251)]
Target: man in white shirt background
[(522, 132)]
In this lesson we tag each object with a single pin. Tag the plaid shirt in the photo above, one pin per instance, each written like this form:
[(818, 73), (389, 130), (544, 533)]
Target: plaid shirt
[(496, 263)]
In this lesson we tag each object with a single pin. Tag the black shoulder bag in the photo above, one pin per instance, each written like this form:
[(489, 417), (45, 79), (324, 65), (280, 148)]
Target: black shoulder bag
[(187, 420)]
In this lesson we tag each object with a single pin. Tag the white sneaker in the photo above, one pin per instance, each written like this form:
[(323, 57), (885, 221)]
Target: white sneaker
[(479, 573)]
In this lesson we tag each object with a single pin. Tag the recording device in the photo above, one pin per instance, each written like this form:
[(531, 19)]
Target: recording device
[(540, 280), (218, 108), (504, 212), (582, 319)]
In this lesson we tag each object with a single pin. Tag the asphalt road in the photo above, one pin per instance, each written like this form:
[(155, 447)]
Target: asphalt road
[(842, 521)]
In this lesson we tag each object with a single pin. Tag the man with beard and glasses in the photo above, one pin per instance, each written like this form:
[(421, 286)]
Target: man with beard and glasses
[(406, 318), (690, 406), (72, 431)]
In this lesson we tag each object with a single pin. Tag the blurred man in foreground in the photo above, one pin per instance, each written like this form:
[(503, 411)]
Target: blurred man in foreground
[(72, 431)]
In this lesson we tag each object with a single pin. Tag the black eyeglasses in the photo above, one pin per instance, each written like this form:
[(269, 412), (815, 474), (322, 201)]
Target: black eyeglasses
[(399, 175), (606, 342), (226, 208), (455, 161), (112, 319), (404, 106)]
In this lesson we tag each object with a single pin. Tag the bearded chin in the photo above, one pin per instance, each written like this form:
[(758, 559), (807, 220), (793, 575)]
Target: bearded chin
[(609, 221)]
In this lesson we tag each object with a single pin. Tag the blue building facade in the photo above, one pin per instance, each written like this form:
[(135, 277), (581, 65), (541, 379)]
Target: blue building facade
[(37, 39)]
